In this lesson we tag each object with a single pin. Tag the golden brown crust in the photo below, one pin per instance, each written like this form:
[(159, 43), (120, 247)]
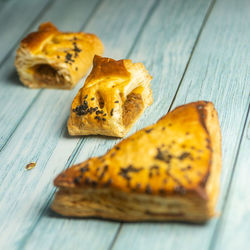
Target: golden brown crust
[(178, 159), (64, 57), (113, 97)]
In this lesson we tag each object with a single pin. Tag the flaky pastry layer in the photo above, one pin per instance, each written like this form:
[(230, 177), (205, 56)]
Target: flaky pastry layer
[(167, 171), (49, 58), (113, 97)]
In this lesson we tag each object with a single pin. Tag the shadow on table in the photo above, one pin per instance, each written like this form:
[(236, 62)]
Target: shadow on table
[(51, 214), (13, 78), (102, 137)]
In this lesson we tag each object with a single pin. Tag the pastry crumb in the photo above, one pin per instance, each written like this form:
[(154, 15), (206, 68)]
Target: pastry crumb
[(30, 166)]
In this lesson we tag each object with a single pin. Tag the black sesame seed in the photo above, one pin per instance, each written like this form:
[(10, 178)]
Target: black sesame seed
[(98, 118), (116, 101), (163, 156), (117, 148), (86, 96), (68, 57), (84, 169), (92, 99), (111, 112), (105, 169), (76, 49), (124, 172), (77, 180), (184, 155), (104, 119)]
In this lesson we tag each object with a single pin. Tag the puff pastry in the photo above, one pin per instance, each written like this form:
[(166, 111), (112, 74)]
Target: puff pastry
[(49, 58), (113, 97), (167, 171)]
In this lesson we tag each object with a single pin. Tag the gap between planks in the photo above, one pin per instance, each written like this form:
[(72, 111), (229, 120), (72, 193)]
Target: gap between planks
[(193, 49)]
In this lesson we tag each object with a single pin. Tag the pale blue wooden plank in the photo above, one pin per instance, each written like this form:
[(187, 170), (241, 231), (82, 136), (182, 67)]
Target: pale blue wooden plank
[(16, 17), (5, 5), (218, 72), (35, 139), (234, 229), (13, 95)]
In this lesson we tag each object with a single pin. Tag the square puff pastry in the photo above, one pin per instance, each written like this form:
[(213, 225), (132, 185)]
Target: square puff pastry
[(167, 171), (113, 97), (49, 58)]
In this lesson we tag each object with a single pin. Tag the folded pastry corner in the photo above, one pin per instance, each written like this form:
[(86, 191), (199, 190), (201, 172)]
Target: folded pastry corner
[(113, 97), (49, 58), (167, 171)]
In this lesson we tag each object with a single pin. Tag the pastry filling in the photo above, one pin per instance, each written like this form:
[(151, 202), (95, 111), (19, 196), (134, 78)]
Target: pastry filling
[(45, 74), (132, 107)]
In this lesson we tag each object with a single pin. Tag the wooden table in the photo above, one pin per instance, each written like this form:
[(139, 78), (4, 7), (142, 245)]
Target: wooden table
[(194, 49)]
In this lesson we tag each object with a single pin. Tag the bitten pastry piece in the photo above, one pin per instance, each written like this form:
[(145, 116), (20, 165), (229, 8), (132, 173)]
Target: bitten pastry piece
[(113, 97), (49, 58), (167, 171)]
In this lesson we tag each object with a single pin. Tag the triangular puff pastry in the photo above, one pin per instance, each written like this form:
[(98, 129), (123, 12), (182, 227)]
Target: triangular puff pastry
[(113, 97), (49, 58), (167, 171)]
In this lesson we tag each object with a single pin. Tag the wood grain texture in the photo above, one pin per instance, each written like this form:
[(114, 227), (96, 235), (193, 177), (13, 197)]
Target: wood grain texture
[(26, 12), (234, 228), (218, 72), (40, 130)]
